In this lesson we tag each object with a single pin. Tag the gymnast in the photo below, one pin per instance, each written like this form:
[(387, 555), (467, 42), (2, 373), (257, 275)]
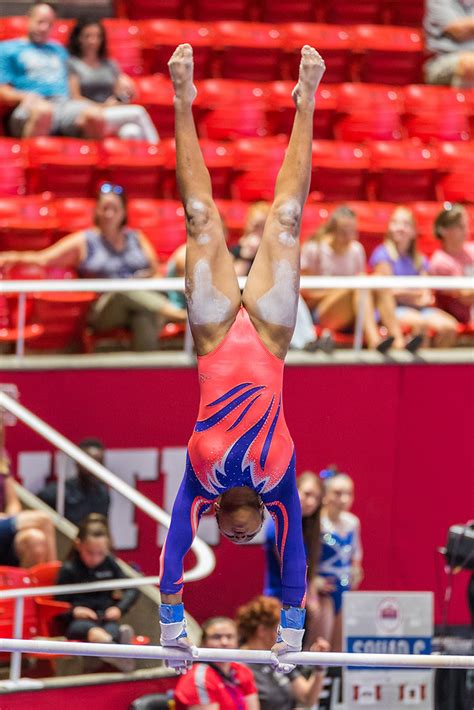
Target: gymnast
[(240, 456)]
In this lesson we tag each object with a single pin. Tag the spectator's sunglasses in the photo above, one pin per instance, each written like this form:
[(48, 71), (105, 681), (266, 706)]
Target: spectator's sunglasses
[(108, 187)]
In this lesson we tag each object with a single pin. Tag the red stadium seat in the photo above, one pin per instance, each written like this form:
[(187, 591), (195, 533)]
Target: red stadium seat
[(27, 223), (368, 111), (352, 13), (65, 166), (257, 164), (14, 578), (340, 170), (136, 165), (124, 45), (389, 55), (334, 42), (248, 50), (315, 214), (162, 221), (74, 214), (280, 109), (161, 37), (219, 159), (149, 9), (456, 163), (436, 112), (402, 170), (45, 574), (13, 159), (156, 93), (229, 110), (289, 11), (63, 316), (425, 214), (221, 9), (372, 221), (469, 96), (234, 216), (406, 13), (17, 26)]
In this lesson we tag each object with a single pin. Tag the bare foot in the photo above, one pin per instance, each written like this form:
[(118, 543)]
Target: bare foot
[(312, 68), (181, 67)]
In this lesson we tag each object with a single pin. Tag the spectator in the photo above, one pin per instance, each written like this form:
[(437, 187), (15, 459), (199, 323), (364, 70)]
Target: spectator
[(399, 256), (227, 686), (454, 258), (110, 249), (95, 77), (340, 566), (310, 491), (335, 251), (33, 78), (96, 616), (245, 250), (27, 537), (257, 623), (84, 494), (449, 29)]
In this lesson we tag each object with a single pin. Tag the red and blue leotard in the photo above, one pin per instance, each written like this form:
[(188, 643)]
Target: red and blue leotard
[(240, 439)]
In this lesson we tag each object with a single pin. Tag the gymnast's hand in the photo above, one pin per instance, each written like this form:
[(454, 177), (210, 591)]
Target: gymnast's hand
[(174, 635), (289, 636)]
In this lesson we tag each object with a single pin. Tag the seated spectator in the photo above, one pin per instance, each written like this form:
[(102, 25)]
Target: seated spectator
[(246, 248), (227, 686), (34, 79), (449, 30), (454, 258), (95, 77), (96, 616), (27, 537), (84, 494), (399, 256), (340, 564), (257, 623), (335, 251), (110, 249), (310, 491)]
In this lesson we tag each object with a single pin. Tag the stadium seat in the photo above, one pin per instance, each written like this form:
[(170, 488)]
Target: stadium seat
[(17, 26), (469, 96), (402, 170), (229, 110), (315, 213), (389, 55), (289, 10), (162, 221), (124, 45), (156, 93), (64, 166), (9, 330), (73, 214), (257, 163), (353, 13), (63, 316), (135, 165), (13, 159), (425, 214), (280, 109), (436, 112), (407, 14), (372, 221), (149, 9), (219, 159), (456, 165), (27, 223), (248, 50), (334, 42), (15, 578), (368, 111), (234, 216), (340, 170), (161, 37), (45, 574), (209, 10)]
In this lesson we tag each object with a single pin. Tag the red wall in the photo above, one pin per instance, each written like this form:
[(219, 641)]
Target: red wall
[(403, 432)]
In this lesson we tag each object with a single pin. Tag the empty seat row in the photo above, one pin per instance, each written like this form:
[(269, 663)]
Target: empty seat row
[(258, 51), (245, 169), (343, 11)]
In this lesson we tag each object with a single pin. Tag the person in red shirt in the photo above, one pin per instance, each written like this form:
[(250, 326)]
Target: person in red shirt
[(217, 686), (454, 258)]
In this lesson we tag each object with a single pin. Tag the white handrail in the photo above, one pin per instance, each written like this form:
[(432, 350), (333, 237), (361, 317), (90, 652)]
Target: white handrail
[(205, 560), (83, 588), (224, 655), (177, 284)]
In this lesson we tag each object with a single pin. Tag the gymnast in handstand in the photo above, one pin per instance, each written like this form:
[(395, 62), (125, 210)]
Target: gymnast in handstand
[(240, 456)]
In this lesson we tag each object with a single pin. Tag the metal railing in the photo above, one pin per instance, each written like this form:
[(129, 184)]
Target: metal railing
[(360, 283)]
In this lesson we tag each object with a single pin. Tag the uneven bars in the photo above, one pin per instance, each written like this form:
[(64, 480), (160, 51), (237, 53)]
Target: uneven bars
[(220, 655)]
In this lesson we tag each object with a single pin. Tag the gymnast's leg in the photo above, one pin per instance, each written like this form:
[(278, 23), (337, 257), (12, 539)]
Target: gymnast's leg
[(212, 289), (271, 293)]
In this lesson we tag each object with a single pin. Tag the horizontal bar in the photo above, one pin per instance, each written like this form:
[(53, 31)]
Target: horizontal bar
[(59, 589), (220, 655), (177, 284)]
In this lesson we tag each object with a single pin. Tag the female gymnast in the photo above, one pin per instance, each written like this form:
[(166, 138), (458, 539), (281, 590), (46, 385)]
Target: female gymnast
[(240, 455)]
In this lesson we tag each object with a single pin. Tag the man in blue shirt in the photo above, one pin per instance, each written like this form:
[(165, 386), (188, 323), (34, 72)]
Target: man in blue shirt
[(34, 79)]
